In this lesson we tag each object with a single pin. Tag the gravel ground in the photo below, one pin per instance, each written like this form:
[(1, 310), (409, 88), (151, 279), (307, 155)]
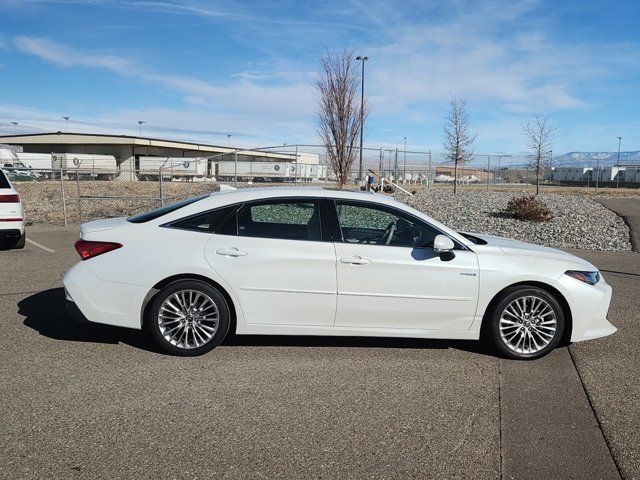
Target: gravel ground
[(578, 221), (43, 200)]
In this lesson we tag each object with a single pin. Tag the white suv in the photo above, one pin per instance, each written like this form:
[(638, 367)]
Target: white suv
[(11, 215)]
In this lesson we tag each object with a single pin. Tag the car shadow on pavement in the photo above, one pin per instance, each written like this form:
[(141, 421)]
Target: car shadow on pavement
[(472, 346), (45, 312)]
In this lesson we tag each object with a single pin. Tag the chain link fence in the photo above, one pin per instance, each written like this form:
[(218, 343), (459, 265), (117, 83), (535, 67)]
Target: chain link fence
[(75, 188)]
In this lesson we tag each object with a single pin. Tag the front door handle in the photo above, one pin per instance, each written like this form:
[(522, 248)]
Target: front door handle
[(355, 260), (230, 252)]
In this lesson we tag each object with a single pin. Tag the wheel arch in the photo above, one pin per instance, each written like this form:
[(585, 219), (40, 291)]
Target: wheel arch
[(188, 276), (566, 309)]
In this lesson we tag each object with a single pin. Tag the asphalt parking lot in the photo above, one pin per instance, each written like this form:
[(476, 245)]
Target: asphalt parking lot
[(91, 401)]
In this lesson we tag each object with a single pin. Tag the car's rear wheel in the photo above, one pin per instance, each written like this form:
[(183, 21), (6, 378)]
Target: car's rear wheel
[(526, 323), (188, 318)]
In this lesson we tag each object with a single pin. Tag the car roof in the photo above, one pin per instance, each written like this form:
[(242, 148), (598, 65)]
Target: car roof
[(259, 193)]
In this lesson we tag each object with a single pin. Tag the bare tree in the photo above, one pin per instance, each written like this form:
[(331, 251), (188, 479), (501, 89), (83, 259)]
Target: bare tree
[(338, 111), (539, 135), (456, 137)]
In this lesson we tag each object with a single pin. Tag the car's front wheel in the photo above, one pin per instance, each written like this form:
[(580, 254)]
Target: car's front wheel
[(526, 323), (188, 318)]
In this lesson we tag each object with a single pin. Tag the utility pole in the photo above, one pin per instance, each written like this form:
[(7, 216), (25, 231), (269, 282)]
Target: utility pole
[(140, 122), (361, 59)]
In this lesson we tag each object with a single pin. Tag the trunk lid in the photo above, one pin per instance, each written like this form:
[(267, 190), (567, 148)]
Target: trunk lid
[(102, 225)]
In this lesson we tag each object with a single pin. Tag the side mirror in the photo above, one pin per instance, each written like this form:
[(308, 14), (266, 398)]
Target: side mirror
[(443, 244)]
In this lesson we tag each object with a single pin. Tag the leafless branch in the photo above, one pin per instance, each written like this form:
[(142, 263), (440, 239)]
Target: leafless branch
[(456, 138), (338, 111), (539, 135)]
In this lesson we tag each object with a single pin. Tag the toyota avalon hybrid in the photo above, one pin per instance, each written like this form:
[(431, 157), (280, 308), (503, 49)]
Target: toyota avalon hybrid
[(313, 261)]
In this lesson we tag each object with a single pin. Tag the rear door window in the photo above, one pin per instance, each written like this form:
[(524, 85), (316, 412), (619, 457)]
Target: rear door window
[(287, 219), (207, 222)]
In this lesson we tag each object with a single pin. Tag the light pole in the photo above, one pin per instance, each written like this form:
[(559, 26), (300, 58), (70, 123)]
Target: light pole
[(66, 122), (404, 163), (229, 135), (618, 172), (140, 122), (361, 59), (15, 124)]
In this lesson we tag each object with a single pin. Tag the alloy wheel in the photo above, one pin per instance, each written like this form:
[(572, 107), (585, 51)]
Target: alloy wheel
[(188, 319), (528, 324)]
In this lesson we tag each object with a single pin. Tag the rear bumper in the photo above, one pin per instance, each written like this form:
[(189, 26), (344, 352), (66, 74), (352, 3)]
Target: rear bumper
[(11, 230), (98, 301), (73, 310)]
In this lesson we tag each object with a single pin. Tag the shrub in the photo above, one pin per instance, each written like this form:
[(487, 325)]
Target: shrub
[(529, 208)]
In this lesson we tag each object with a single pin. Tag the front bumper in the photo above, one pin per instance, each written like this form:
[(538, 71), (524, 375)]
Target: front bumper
[(589, 308)]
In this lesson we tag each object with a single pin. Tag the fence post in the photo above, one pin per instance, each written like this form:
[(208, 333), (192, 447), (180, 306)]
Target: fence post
[(79, 200), (64, 200), (488, 170), (160, 185), (429, 173), (235, 168), (381, 168), (395, 167), (295, 177)]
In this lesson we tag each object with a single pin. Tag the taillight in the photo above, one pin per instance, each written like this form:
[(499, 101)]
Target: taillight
[(89, 250), (10, 198)]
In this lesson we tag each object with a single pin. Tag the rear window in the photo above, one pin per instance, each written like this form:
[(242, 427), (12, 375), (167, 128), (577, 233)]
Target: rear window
[(206, 222), (159, 212), (4, 183)]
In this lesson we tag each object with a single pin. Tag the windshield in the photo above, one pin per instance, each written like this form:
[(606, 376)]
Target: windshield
[(159, 212)]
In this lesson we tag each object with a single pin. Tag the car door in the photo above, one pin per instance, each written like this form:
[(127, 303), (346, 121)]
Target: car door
[(390, 277), (272, 254)]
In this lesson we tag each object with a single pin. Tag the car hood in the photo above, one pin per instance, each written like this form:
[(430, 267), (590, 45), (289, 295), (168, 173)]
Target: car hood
[(101, 225), (524, 249)]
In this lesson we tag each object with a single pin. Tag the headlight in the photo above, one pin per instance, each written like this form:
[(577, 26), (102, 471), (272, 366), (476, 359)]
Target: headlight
[(587, 277)]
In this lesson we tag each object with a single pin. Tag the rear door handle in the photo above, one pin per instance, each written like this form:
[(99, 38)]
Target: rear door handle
[(355, 260), (230, 252)]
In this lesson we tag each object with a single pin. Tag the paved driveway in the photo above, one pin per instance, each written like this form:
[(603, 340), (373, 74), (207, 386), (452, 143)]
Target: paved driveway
[(93, 401)]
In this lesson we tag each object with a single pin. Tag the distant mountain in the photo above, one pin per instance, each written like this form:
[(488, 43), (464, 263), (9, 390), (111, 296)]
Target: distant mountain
[(588, 159)]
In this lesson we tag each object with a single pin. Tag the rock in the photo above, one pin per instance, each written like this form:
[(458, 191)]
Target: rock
[(578, 221)]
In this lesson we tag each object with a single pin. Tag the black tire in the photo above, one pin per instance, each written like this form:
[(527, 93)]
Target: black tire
[(506, 299), (21, 242), (153, 327)]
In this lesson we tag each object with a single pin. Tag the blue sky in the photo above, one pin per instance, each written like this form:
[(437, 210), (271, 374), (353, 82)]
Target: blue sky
[(200, 70)]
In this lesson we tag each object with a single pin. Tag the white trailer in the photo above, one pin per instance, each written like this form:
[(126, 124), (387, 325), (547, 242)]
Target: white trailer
[(178, 168), (101, 167), (35, 160), (227, 170), (632, 175)]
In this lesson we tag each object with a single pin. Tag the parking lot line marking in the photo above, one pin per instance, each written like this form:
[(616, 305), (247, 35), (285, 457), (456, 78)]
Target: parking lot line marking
[(47, 249)]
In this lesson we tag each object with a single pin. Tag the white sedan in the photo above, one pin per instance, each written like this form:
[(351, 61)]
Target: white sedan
[(12, 232), (311, 261)]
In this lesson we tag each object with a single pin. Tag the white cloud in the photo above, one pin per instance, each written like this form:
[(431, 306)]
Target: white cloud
[(67, 56), (283, 100)]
